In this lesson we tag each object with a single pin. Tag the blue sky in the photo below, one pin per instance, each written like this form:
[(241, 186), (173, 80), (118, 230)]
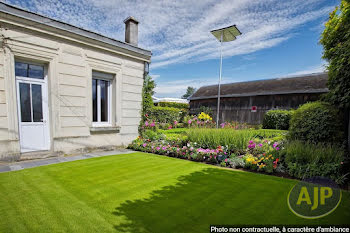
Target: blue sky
[(280, 37)]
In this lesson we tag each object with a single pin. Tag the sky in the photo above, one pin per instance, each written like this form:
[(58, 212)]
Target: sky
[(279, 37)]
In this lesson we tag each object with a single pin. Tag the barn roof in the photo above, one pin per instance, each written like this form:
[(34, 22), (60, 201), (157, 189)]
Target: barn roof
[(312, 83)]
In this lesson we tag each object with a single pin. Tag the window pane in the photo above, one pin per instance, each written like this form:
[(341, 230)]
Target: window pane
[(94, 100), (104, 100), (24, 93), (36, 71), (21, 69), (37, 103)]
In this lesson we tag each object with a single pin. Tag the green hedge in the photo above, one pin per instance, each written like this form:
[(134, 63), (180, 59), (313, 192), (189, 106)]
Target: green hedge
[(165, 114), (277, 119), (174, 105), (317, 122), (306, 160)]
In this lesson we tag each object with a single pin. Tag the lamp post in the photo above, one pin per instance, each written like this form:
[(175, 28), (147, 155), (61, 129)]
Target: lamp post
[(223, 35)]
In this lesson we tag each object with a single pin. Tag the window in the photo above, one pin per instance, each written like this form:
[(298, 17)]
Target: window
[(29, 70), (101, 100)]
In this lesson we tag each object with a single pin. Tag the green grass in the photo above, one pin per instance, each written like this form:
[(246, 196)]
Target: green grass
[(144, 193), (173, 131), (235, 139)]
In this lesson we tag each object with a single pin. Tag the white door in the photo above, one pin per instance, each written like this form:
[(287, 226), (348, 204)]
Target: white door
[(32, 105)]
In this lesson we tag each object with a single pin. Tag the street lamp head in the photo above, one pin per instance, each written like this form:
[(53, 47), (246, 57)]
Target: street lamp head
[(228, 33)]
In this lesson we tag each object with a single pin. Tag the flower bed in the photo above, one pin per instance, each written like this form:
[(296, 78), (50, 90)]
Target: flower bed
[(253, 157), (265, 151)]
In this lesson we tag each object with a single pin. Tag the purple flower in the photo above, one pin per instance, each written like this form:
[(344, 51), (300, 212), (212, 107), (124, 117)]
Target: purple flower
[(260, 145), (146, 123), (275, 144), (144, 144), (158, 148), (251, 146), (222, 125), (163, 148), (153, 124), (277, 148), (251, 142)]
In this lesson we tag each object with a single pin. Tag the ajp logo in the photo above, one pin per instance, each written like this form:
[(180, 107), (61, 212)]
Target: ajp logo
[(314, 198)]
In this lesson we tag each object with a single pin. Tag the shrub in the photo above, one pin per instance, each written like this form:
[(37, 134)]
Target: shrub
[(164, 114), (316, 122), (277, 119), (174, 105), (305, 160), (236, 162), (234, 139)]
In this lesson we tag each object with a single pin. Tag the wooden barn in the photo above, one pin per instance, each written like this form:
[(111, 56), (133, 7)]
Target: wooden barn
[(248, 101)]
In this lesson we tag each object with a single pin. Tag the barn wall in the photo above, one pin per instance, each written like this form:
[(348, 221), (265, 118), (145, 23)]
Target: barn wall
[(239, 108)]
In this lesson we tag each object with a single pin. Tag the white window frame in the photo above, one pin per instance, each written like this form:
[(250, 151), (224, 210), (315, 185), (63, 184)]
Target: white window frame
[(98, 123)]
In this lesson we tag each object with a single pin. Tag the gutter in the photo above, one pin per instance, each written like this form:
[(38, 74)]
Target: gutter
[(323, 90)]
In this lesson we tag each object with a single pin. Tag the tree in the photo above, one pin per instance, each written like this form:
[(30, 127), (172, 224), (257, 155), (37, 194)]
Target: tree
[(190, 91), (147, 93), (336, 50)]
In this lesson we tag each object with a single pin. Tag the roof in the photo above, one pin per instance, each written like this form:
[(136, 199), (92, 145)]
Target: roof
[(40, 19), (312, 83)]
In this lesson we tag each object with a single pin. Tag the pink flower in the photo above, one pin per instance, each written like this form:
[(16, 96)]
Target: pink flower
[(222, 125), (146, 123), (170, 127), (153, 124), (251, 146), (163, 148), (189, 121), (260, 145), (158, 148), (251, 142), (144, 144), (275, 144), (277, 148), (225, 160), (175, 122)]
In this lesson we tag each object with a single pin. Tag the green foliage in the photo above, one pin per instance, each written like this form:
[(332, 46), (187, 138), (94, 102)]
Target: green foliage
[(190, 91), (316, 122), (234, 139), (152, 135), (336, 50), (174, 105), (147, 93), (164, 114), (305, 160), (236, 162), (277, 119)]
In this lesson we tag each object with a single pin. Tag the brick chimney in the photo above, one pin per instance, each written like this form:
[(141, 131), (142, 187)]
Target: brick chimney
[(131, 30)]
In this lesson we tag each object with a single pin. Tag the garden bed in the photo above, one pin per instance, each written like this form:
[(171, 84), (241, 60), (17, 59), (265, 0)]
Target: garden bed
[(258, 150)]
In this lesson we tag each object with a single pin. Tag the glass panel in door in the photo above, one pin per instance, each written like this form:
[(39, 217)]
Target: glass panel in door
[(37, 103), (24, 93)]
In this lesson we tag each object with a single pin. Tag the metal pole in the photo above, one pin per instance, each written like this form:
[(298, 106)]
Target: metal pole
[(219, 86)]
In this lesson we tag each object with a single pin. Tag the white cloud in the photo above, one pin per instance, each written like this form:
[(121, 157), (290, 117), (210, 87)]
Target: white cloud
[(154, 76), (309, 70), (179, 31), (178, 87)]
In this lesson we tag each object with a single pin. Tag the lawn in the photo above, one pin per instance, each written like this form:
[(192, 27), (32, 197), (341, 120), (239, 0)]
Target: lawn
[(144, 193)]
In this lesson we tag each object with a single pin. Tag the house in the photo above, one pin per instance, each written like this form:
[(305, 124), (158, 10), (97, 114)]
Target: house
[(65, 89), (248, 101)]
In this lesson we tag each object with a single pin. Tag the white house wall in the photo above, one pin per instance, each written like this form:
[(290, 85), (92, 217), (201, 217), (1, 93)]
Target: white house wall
[(70, 66)]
